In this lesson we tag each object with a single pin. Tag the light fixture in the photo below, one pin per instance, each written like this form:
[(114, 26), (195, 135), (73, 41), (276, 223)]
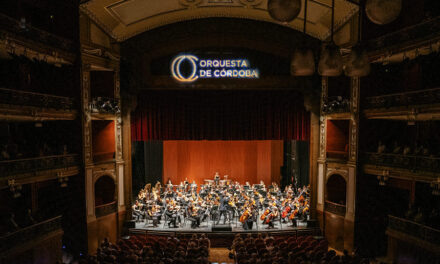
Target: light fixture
[(330, 63), (14, 188), (383, 178), (303, 62), (22, 23), (284, 10), (383, 12), (63, 181), (358, 64)]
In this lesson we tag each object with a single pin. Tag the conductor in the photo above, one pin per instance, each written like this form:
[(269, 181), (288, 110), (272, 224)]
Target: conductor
[(223, 207)]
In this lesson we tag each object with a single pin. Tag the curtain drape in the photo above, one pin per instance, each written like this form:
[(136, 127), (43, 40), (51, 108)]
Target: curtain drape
[(220, 115)]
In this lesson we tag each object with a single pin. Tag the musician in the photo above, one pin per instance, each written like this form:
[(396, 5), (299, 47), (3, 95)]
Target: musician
[(273, 215), (171, 213), (219, 200), (193, 215), (248, 217), (224, 207), (137, 211), (217, 178), (154, 213)]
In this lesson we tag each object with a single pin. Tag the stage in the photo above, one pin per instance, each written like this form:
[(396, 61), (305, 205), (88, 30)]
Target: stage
[(220, 238)]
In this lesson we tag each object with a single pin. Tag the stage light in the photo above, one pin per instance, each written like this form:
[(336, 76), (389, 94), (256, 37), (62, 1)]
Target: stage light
[(303, 61), (284, 10), (383, 12), (358, 64), (330, 63)]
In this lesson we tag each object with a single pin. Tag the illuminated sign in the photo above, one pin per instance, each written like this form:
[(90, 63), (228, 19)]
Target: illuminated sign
[(211, 68)]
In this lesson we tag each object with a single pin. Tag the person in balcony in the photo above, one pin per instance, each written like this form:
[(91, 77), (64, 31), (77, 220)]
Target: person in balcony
[(396, 148), (419, 217), (407, 150), (381, 148), (4, 154)]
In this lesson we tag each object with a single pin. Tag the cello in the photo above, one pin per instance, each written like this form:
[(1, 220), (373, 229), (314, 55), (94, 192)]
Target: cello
[(246, 214), (266, 212), (294, 214), (286, 211)]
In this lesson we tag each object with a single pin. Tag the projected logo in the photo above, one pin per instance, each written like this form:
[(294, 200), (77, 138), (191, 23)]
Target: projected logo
[(188, 68)]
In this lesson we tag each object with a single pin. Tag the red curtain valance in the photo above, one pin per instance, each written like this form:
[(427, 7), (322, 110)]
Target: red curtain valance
[(220, 115)]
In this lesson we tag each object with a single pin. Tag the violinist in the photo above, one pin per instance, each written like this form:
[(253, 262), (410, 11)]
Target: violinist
[(154, 213), (171, 213), (193, 215), (137, 211)]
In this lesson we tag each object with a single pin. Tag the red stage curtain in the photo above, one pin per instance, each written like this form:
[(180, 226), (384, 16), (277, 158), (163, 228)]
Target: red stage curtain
[(241, 160), (220, 115)]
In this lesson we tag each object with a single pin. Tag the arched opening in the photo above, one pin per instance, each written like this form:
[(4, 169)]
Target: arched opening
[(104, 191), (336, 189)]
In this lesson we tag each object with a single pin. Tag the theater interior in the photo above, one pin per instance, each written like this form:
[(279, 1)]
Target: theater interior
[(219, 131)]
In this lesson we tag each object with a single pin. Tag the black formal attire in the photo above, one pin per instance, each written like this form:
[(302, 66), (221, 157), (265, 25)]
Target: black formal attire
[(172, 217), (223, 208)]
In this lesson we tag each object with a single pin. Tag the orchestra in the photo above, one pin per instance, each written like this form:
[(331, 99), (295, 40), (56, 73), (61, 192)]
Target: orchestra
[(218, 200)]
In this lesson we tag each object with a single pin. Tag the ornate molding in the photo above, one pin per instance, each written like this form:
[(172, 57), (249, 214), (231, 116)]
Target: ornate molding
[(323, 120), (184, 10), (332, 170), (119, 137), (87, 128), (354, 126), (251, 3), (100, 172), (35, 43), (322, 141), (29, 113), (117, 86), (190, 3)]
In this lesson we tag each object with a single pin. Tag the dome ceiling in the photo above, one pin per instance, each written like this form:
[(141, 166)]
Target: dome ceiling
[(123, 19)]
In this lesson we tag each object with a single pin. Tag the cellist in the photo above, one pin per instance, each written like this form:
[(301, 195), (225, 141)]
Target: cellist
[(248, 217)]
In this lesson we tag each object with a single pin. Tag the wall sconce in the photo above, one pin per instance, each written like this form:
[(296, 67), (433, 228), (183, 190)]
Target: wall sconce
[(62, 180), (383, 178), (14, 188)]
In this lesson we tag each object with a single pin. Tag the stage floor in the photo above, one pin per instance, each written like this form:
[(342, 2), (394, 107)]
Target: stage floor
[(207, 227), (221, 238)]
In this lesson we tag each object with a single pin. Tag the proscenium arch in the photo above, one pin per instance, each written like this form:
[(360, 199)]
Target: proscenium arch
[(219, 33), (125, 19)]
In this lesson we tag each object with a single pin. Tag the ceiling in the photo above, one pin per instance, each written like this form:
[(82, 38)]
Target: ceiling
[(123, 19)]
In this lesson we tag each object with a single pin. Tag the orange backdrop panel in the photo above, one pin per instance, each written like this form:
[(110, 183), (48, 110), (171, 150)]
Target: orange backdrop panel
[(247, 160)]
